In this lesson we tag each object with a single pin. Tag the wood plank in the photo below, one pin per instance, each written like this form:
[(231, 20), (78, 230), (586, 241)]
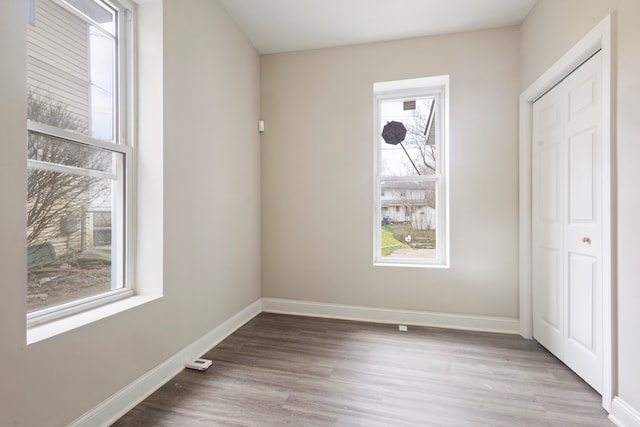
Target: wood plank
[(280, 370)]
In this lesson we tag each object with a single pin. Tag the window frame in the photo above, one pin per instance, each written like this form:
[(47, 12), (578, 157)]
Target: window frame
[(123, 144), (436, 87)]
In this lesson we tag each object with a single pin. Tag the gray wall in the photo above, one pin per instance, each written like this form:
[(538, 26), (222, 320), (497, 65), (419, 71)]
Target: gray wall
[(549, 31), (317, 160), (210, 262)]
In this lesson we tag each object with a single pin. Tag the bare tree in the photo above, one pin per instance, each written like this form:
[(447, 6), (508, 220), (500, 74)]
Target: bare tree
[(420, 142), (421, 138), (55, 199)]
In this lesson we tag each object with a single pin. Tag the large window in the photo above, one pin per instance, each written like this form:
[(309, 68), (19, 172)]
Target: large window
[(411, 136), (80, 156)]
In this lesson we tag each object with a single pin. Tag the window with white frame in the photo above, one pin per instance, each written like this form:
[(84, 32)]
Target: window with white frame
[(79, 155), (411, 188)]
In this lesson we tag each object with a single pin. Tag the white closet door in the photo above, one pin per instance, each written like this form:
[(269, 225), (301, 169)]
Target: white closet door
[(567, 221)]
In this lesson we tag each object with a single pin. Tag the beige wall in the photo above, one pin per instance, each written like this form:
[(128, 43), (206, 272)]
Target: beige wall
[(13, 223), (211, 254), (317, 177), (549, 31)]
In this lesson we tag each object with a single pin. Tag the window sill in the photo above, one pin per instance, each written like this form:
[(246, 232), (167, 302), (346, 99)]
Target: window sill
[(48, 330), (408, 264)]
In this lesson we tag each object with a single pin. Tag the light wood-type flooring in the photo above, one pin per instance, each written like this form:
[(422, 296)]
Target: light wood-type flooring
[(280, 370)]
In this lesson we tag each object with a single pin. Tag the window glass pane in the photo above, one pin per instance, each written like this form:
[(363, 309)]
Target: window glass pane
[(70, 226), (70, 69), (102, 54), (408, 227), (76, 187), (416, 155), (59, 151)]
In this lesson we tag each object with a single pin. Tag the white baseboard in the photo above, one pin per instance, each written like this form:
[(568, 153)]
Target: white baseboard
[(126, 399), (624, 415), (384, 315)]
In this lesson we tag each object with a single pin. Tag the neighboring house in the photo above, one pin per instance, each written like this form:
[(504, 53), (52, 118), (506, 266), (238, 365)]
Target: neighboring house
[(67, 81), (408, 202), (61, 75)]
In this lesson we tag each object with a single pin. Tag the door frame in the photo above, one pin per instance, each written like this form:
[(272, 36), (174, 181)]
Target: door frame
[(599, 38)]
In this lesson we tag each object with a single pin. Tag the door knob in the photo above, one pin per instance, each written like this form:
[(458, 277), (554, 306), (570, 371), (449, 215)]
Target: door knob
[(586, 240)]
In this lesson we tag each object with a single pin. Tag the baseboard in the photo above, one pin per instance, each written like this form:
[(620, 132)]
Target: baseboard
[(126, 399), (384, 315), (624, 415)]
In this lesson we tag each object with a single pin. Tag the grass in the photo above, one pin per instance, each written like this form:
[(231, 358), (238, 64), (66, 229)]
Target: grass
[(389, 243), (393, 236)]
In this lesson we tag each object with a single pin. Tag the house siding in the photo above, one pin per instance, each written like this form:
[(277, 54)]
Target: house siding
[(58, 68), (58, 59)]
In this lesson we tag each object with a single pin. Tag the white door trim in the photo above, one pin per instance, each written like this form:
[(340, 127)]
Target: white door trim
[(600, 38)]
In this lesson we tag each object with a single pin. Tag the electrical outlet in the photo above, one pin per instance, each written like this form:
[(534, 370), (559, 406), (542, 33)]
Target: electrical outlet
[(402, 328)]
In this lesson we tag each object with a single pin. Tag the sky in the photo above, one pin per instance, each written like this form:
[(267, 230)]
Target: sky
[(393, 159)]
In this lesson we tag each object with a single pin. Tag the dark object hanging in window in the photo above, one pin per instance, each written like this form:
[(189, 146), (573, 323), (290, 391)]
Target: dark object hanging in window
[(394, 132)]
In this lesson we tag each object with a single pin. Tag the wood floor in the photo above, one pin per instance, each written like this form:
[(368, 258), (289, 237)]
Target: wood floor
[(282, 370)]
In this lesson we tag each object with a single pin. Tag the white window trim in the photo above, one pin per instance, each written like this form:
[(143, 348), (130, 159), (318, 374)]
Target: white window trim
[(438, 87), (124, 131)]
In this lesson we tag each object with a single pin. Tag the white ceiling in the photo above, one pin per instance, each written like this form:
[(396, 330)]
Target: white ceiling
[(289, 25)]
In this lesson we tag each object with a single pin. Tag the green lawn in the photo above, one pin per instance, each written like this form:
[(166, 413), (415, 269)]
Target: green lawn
[(393, 236), (389, 243)]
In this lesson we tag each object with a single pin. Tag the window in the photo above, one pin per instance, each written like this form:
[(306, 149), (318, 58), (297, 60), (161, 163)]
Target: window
[(411, 139), (79, 156)]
